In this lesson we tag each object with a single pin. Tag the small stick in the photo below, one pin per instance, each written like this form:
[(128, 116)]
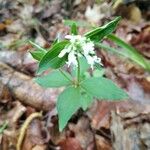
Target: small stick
[(24, 128)]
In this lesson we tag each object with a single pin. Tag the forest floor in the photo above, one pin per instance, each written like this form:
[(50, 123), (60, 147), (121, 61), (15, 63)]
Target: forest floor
[(106, 125)]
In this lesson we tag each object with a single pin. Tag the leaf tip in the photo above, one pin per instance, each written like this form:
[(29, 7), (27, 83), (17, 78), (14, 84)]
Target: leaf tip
[(39, 71), (118, 18), (60, 129), (61, 125), (31, 42), (126, 95)]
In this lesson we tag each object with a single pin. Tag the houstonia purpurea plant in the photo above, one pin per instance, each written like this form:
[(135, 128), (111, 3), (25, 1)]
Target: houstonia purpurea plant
[(81, 86)]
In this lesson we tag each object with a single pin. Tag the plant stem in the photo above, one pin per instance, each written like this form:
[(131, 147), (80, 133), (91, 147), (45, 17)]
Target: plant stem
[(25, 126), (65, 75), (78, 73)]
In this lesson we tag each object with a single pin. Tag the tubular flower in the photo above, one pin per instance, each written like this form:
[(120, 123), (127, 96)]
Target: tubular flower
[(79, 47)]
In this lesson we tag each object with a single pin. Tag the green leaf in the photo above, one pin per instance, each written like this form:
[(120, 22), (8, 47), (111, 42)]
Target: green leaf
[(129, 52), (85, 99), (37, 46), (39, 52), (57, 39), (101, 32), (3, 127), (103, 88), (84, 66), (78, 23), (51, 58), (68, 103), (98, 73), (111, 49), (54, 79), (74, 29), (98, 66)]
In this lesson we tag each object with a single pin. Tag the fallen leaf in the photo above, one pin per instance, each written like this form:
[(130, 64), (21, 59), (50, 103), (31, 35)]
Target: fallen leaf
[(83, 133), (15, 113), (26, 90), (35, 137), (70, 144), (39, 147), (102, 143)]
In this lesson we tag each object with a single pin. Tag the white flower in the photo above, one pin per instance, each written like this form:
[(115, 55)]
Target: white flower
[(72, 59), (64, 51), (79, 46), (92, 60), (88, 48), (73, 38)]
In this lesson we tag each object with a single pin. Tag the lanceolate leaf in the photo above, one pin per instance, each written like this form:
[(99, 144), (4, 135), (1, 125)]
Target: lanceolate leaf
[(55, 41), (51, 58), (103, 88), (85, 99), (84, 66), (100, 32), (37, 46), (130, 52), (68, 103), (74, 29), (54, 79), (98, 73), (39, 52), (78, 23)]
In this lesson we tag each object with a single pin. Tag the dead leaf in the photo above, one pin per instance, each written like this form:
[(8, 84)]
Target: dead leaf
[(52, 8), (35, 137), (95, 11), (100, 112), (40, 40), (83, 133), (39, 147), (144, 133), (141, 40), (4, 143), (135, 14), (5, 95), (128, 137), (137, 92), (2, 26), (16, 27), (15, 113), (98, 11), (70, 144), (102, 143), (26, 90)]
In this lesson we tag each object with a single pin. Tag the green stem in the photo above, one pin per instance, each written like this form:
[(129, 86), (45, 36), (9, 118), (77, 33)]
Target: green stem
[(78, 73), (65, 75)]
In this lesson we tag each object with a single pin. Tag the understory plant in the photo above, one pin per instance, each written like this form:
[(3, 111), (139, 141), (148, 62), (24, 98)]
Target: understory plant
[(76, 67)]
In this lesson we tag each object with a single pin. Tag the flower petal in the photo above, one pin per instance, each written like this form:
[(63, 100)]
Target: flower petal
[(62, 53), (72, 59)]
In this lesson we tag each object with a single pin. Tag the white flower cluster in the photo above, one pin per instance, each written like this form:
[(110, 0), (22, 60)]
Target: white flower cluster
[(78, 47)]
